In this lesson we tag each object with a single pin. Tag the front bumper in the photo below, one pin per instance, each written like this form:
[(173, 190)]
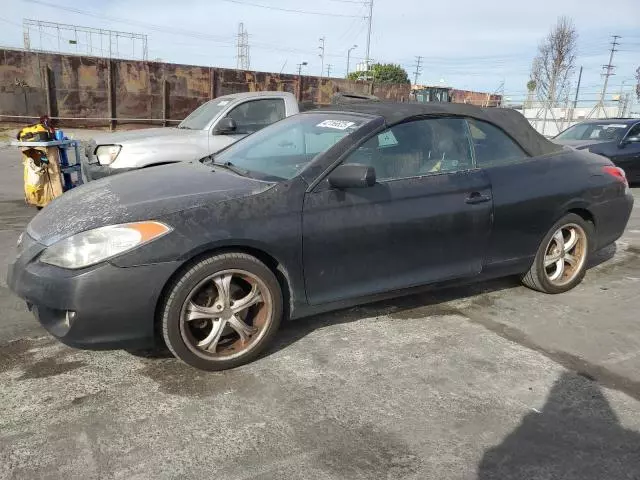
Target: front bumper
[(100, 307)]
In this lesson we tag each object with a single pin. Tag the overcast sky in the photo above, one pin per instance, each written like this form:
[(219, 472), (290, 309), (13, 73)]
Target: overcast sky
[(465, 43)]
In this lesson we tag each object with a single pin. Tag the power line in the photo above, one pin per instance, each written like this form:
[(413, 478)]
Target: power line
[(150, 26), (289, 10)]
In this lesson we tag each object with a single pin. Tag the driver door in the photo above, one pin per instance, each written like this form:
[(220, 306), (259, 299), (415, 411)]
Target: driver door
[(428, 217)]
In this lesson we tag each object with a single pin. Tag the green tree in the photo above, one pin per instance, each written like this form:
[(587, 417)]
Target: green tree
[(383, 73)]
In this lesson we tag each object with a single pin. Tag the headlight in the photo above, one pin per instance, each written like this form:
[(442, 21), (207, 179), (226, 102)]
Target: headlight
[(94, 246), (107, 153)]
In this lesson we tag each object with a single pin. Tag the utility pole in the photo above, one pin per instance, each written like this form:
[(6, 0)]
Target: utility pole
[(575, 101), (329, 70), (418, 69), (366, 57), (608, 72), (321, 47)]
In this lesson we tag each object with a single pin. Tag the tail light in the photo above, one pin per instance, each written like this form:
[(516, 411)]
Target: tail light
[(617, 173)]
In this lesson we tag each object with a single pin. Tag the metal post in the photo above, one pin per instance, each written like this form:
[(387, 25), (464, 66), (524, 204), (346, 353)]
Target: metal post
[(165, 101), (111, 98), (47, 87)]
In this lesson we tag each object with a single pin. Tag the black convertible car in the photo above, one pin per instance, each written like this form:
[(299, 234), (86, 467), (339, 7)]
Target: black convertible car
[(616, 139), (320, 211)]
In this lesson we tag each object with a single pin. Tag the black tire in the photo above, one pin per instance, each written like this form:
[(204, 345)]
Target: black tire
[(180, 289), (537, 279)]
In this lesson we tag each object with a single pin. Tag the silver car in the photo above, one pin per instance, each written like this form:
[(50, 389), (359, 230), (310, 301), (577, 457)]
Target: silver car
[(208, 129)]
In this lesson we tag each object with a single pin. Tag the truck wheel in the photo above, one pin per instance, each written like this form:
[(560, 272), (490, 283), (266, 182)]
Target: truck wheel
[(222, 312), (561, 260)]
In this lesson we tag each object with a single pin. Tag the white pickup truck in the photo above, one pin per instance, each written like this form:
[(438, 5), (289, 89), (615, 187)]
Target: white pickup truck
[(208, 129)]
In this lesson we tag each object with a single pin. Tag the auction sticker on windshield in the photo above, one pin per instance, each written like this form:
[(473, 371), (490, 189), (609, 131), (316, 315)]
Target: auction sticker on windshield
[(337, 124)]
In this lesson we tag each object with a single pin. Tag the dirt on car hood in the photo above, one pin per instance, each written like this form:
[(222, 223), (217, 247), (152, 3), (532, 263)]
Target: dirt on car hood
[(145, 194)]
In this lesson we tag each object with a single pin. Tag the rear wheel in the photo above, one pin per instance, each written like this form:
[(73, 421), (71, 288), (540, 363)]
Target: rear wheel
[(561, 260), (222, 312)]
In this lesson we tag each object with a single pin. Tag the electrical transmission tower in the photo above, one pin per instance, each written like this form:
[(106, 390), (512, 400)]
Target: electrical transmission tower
[(608, 71), (242, 44), (418, 69), (321, 55)]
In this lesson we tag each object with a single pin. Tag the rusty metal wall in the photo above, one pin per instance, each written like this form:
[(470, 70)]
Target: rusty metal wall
[(479, 99), (79, 87)]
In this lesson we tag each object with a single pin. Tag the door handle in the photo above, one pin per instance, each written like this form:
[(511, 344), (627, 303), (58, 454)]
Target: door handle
[(477, 197)]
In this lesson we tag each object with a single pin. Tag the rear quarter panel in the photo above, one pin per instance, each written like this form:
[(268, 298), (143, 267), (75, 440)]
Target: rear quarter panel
[(529, 197)]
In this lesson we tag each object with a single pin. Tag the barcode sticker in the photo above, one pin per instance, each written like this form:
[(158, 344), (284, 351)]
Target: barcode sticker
[(337, 124)]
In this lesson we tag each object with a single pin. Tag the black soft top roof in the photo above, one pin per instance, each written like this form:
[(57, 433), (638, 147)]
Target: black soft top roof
[(509, 120)]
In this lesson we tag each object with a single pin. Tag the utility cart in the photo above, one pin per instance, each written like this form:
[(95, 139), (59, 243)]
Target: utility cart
[(47, 170)]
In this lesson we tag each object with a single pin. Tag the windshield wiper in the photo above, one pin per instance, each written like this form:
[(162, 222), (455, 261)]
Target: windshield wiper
[(230, 166)]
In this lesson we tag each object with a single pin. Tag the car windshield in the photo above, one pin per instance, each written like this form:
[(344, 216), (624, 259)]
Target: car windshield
[(285, 148), (594, 131), (202, 116)]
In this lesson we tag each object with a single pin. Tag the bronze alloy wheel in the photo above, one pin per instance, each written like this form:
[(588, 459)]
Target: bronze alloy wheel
[(565, 254)]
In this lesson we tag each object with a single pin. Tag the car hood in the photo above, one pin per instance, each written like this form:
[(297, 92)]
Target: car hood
[(145, 134), (579, 144), (145, 194)]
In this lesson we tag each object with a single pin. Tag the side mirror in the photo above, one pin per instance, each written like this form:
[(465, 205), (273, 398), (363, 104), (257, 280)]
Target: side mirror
[(635, 139), (352, 175), (225, 126)]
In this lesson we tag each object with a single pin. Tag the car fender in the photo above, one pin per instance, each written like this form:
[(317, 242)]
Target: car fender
[(295, 293)]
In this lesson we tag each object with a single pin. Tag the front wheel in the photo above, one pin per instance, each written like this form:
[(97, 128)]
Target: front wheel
[(222, 312), (561, 261)]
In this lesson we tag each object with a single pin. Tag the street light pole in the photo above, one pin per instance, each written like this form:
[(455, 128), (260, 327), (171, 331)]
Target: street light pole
[(300, 65), (349, 57)]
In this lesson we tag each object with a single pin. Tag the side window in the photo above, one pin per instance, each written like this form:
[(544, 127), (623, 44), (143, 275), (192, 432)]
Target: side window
[(635, 131), (492, 146), (256, 114), (420, 147)]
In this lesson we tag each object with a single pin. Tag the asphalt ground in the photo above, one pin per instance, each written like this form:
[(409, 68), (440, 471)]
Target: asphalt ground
[(489, 381)]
